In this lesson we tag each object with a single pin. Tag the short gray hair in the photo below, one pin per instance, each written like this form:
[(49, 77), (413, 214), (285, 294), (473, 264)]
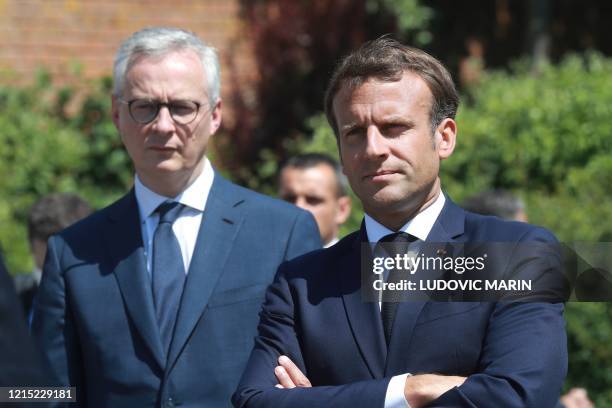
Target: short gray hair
[(157, 41)]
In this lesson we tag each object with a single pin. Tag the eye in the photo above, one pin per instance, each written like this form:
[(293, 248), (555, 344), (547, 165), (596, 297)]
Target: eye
[(143, 106), (313, 200), (183, 108), (354, 133), (394, 129)]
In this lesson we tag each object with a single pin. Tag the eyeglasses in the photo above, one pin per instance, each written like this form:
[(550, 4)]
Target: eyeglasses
[(145, 111)]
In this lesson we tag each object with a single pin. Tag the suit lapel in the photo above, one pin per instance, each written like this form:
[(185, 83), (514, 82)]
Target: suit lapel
[(364, 317), (447, 228), (125, 248), (221, 221)]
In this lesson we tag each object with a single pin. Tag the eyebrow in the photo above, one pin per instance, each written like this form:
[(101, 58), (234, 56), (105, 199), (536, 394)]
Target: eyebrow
[(387, 120), (349, 127), (397, 119)]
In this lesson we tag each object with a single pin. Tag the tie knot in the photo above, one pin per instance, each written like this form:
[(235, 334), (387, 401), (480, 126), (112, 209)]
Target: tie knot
[(398, 237), (396, 243), (169, 211)]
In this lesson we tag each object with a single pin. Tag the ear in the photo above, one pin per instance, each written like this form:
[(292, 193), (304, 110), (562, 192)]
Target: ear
[(215, 117), (445, 136), (344, 210), (115, 104)]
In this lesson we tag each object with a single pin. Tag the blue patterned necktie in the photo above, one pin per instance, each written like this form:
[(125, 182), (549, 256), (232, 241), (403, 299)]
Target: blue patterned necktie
[(396, 243), (168, 271)]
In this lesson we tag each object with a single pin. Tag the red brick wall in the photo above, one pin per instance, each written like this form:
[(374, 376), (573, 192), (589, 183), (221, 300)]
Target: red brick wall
[(55, 34)]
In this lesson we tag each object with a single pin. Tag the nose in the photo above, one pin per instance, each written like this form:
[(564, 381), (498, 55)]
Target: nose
[(375, 143), (164, 122)]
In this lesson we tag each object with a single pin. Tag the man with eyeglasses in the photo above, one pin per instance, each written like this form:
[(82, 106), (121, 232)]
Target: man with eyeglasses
[(154, 300)]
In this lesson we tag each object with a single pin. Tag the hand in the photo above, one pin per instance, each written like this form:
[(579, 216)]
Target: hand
[(421, 390), (289, 375), (576, 398)]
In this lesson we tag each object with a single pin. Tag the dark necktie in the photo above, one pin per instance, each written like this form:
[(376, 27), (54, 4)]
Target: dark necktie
[(168, 271), (396, 243)]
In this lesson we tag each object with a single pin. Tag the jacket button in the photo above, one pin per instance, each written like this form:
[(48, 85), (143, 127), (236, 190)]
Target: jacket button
[(169, 403)]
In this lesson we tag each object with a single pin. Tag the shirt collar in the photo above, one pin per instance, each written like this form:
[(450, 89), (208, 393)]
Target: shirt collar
[(333, 241), (419, 226), (194, 196)]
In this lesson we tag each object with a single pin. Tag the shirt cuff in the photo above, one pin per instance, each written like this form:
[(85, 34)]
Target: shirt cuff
[(395, 392)]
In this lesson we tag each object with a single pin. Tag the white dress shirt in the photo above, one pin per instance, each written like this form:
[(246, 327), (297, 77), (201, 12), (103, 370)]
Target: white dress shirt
[(187, 225), (332, 242), (419, 226)]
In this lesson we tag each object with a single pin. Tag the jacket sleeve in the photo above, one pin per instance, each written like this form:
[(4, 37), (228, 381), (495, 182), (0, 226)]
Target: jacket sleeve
[(277, 336), (524, 360), (524, 353), (53, 325)]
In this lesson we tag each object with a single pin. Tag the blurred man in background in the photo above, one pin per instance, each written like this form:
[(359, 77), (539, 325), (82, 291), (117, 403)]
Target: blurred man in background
[(49, 215), (314, 182)]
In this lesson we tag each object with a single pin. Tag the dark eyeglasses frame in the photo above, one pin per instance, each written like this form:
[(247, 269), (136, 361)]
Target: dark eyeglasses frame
[(159, 106)]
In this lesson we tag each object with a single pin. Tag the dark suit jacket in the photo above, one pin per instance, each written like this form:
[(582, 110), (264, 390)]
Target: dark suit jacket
[(94, 315), (26, 286), (514, 354), (20, 363)]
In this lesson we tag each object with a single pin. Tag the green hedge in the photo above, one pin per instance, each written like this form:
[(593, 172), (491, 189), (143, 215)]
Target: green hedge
[(54, 140)]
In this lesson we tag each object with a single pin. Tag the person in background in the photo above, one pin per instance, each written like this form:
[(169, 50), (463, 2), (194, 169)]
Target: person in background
[(49, 215), (154, 300), (314, 182), (500, 203)]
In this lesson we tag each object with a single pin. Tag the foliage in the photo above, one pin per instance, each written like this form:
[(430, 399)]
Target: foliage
[(412, 18), (548, 137), (294, 57), (590, 354), (45, 148)]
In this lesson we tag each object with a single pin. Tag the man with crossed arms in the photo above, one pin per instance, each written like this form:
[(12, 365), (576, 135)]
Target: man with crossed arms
[(392, 109)]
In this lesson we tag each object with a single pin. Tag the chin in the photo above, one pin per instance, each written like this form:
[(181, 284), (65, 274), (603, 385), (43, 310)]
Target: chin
[(166, 166), (389, 200)]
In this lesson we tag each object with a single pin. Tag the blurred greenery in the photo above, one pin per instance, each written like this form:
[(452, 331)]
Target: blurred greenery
[(412, 18), (45, 148), (547, 137)]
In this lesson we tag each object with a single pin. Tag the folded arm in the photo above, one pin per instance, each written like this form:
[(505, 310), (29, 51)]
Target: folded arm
[(277, 336)]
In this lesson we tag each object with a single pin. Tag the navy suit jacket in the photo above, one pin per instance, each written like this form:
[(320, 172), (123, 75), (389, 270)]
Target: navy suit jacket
[(94, 316), (514, 354), (20, 363)]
